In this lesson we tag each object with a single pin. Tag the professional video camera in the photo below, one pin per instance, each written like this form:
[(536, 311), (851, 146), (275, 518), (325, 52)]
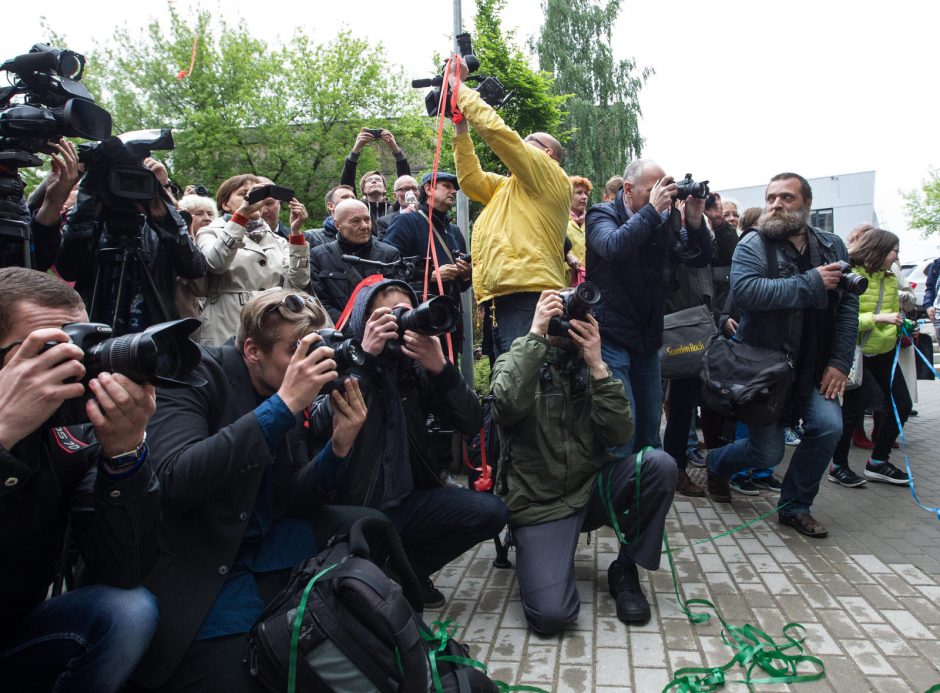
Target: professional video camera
[(491, 89), (162, 355), (434, 317), (49, 77), (578, 302), (347, 353), (850, 281)]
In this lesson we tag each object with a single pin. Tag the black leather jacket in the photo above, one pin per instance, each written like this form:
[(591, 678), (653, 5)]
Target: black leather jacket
[(333, 279)]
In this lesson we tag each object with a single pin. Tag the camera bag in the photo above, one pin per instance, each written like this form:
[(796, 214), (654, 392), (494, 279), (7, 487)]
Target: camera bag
[(342, 624), (747, 382), (686, 333)]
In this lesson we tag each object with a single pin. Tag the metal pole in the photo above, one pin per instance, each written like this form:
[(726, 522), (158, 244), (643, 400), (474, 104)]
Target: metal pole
[(463, 221)]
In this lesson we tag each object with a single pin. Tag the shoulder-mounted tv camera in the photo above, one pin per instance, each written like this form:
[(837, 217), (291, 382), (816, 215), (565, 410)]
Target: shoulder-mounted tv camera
[(491, 89)]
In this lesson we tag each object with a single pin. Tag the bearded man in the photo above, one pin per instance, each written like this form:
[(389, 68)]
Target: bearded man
[(785, 281)]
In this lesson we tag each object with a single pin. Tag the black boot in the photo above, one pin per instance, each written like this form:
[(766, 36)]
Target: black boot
[(623, 580)]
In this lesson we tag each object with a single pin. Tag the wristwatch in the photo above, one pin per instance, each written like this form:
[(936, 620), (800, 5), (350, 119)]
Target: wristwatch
[(126, 460)]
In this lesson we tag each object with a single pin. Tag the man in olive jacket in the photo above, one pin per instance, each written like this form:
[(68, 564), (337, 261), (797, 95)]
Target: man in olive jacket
[(559, 410)]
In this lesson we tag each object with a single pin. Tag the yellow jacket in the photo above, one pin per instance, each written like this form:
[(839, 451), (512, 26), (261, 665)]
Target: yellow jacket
[(518, 240)]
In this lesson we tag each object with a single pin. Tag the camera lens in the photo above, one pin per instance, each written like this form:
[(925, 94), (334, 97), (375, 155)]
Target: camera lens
[(162, 354)]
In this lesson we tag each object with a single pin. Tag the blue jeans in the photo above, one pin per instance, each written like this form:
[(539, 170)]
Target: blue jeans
[(822, 421), (438, 525), (512, 318), (639, 374), (87, 640)]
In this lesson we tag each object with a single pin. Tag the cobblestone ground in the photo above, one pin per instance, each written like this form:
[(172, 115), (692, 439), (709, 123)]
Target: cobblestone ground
[(868, 595)]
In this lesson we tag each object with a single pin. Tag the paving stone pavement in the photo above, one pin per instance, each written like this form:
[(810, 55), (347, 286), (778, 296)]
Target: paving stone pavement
[(868, 594)]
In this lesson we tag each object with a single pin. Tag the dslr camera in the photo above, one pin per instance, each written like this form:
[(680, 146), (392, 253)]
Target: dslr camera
[(347, 353), (491, 89), (434, 317), (162, 355), (691, 188), (578, 302), (850, 281)]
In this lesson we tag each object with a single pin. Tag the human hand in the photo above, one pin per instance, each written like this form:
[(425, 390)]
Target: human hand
[(932, 313), (549, 306), (830, 275), (459, 70), (119, 412), (663, 193), (447, 273), (381, 327), (587, 335), (249, 210), (389, 139), (158, 169), (307, 373), (890, 318), (730, 326), (189, 189), (64, 174), (573, 261), (349, 413), (464, 269), (833, 383), (425, 350), (714, 213), (362, 139), (33, 384), (694, 209), (298, 215)]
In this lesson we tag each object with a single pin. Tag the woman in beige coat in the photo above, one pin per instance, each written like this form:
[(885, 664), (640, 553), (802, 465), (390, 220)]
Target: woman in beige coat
[(244, 256)]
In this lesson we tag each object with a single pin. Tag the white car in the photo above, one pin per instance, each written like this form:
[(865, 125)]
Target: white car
[(916, 274)]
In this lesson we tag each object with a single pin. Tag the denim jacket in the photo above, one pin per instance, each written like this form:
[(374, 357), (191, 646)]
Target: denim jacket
[(772, 309)]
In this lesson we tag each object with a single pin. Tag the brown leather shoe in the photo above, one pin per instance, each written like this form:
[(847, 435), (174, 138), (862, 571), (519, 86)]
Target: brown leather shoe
[(687, 487), (804, 523), (719, 490)]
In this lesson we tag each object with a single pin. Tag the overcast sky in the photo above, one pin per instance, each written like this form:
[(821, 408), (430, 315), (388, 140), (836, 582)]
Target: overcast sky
[(743, 89)]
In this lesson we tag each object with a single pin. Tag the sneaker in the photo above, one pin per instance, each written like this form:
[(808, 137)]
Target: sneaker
[(687, 487), (432, 597), (767, 483), (886, 472), (718, 489), (743, 485), (841, 474), (623, 581), (860, 440), (804, 523), (790, 436), (695, 456)]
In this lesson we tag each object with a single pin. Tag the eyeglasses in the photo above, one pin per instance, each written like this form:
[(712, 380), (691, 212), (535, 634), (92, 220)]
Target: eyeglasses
[(533, 138), (412, 188), (7, 349), (294, 303)]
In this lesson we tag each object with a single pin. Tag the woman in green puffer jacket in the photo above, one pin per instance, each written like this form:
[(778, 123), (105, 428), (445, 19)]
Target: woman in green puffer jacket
[(879, 320)]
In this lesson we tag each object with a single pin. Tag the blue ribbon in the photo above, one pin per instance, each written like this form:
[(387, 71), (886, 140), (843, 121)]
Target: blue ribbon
[(897, 418)]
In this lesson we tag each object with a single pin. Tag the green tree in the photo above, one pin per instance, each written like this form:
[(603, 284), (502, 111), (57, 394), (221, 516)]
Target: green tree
[(533, 107), (574, 46), (289, 113), (923, 206)]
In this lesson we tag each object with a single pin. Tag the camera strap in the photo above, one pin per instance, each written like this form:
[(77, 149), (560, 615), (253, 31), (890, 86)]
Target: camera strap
[(437, 235)]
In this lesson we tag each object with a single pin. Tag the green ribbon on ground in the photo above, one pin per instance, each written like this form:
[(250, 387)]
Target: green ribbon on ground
[(295, 631), (754, 649), (729, 532)]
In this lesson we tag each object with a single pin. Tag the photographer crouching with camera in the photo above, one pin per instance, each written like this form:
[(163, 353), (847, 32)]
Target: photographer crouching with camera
[(559, 410), (64, 482), (406, 378)]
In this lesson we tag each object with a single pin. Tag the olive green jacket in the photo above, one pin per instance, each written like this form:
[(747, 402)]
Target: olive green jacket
[(554, 431)]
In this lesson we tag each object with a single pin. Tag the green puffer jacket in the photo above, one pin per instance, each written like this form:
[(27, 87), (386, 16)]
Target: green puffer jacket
[(553, 441), (883, 337)]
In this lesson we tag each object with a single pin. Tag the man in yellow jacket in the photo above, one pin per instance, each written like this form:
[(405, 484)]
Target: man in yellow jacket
[(518, 240)]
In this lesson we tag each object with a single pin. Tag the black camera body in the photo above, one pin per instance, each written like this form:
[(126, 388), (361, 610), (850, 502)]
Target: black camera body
[(491, 90), (578, 302), (435, 317), (347, 353), (463, 256), (162, 354), (690, 188), (850, 281)]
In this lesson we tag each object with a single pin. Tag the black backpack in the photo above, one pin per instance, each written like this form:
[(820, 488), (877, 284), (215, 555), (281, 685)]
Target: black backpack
[(342, 624)]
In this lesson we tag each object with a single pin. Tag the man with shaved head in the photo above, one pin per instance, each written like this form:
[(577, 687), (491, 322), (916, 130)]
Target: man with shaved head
[(518, 245), (332, 278)]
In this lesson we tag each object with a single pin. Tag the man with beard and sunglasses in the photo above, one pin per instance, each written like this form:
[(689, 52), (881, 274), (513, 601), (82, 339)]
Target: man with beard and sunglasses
[(797, 307)]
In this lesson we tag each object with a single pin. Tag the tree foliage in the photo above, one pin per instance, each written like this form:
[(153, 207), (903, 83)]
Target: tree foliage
[(290, 112), (923, 206), (533, 108), (574, 46)]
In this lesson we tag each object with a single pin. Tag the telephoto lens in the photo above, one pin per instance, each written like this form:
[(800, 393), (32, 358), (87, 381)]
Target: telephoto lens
[(578, 302), (436, 316)]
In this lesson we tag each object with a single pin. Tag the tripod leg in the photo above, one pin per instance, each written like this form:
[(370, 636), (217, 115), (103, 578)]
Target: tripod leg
[(151, 286)]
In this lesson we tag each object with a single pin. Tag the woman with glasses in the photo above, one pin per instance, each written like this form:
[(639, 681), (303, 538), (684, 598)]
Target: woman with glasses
[(244, 257)]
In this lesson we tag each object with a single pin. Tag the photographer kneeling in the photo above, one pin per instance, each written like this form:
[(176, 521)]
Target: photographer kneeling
[(91, 483), (240, 491), (406, 378), (559, 410)]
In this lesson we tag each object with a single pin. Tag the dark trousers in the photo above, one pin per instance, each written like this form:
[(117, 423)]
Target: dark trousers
[(878, 370), (545, 552), (683, 400), (512, 318)]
